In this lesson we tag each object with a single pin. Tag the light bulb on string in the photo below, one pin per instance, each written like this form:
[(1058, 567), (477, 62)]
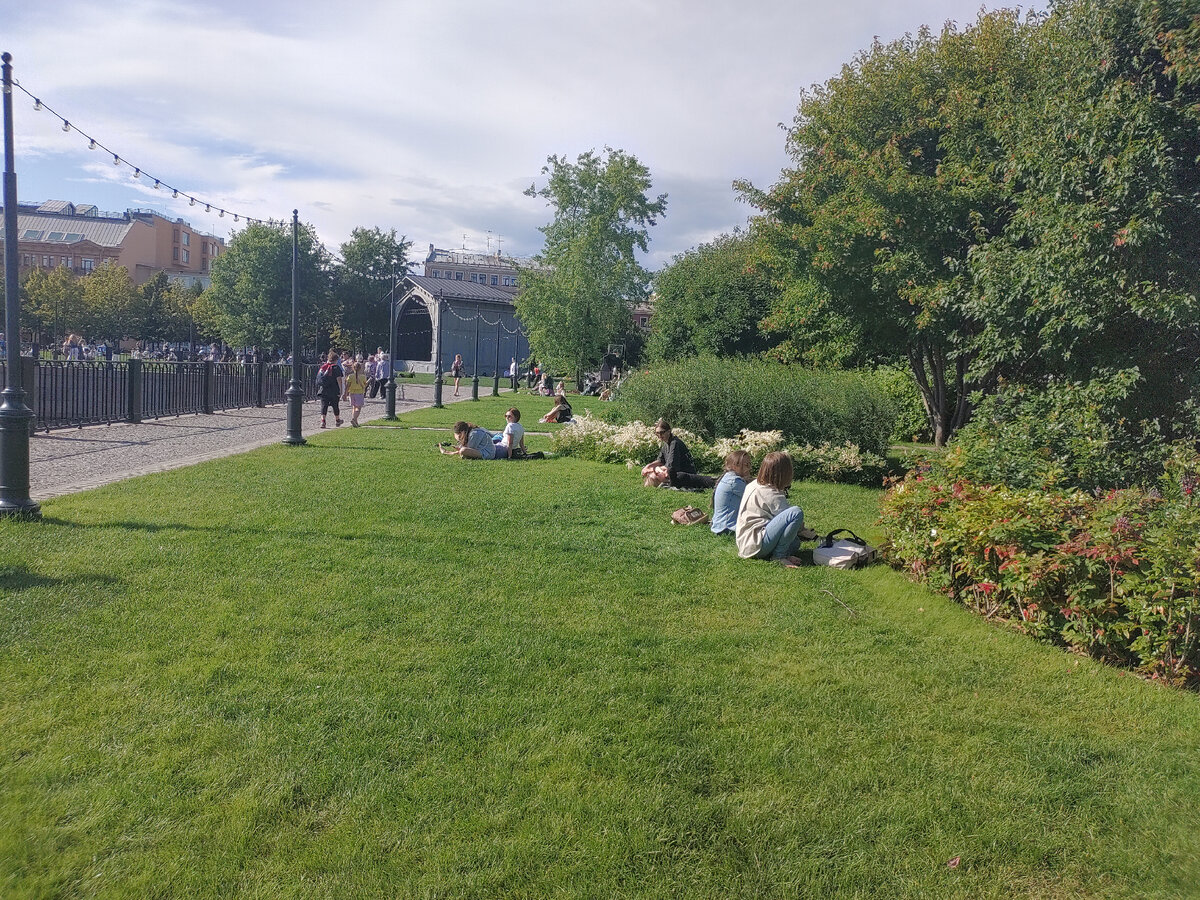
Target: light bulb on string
[(137, 173), (92, 144), (66, 125), (156, 184), (116, 160), (174, 193), (208, 207), (37, 105), (235, 218), (192, 201), (222, 214)]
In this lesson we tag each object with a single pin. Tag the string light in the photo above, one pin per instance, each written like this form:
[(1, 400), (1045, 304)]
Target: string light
[(93, 144)]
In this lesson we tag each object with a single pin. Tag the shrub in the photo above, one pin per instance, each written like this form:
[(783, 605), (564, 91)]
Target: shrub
[(635, 444), (1114, 573), (719, 397), (900, 388)]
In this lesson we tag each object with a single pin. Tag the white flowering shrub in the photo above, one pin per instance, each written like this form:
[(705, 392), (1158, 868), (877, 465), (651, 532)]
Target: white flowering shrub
[(837, 462), (757, 443)]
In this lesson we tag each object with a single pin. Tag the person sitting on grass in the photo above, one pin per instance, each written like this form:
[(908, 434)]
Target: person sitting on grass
[(510, 443), (768, 527), (473, 442), (561, 413), (674, 466), (727, 498)]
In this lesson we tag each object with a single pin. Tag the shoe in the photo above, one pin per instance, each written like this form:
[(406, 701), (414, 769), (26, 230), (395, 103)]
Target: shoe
[(790, 562), (355, 424), (337, 422), (807, 534), (323, 425)]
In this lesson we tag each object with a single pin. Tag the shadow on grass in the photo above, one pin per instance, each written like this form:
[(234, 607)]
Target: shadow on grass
[(19, 578)]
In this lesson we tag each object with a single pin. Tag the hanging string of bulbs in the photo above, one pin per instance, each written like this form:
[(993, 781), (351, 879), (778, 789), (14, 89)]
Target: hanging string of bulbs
[(138, 172)]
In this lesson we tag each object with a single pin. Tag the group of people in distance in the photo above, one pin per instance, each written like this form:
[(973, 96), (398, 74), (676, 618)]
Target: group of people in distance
[(473, 442), (755, 510)]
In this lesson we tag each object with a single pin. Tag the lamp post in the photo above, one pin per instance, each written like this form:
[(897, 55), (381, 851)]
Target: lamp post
[(15, 416), (437, 357), (295, 393), (391, 385), (475, 362), (496, 375)]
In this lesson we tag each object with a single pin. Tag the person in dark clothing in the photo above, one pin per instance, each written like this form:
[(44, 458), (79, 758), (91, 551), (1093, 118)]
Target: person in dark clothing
[(330, 382), (674, 466)]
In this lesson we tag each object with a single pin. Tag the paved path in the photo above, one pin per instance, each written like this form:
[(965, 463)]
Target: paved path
[(69, 460)]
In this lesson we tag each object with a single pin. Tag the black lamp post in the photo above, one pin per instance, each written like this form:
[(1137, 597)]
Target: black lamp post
[(391, 385), (15, 416), (437, 357), (475, 362), (295, 392), (496, 375)]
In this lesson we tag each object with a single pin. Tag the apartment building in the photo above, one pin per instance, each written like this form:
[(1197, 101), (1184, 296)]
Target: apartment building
[(491, 270), (144, 241)]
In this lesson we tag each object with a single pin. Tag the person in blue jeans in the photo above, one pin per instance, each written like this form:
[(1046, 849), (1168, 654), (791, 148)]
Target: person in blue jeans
[(473, 442), (768, 527), (727, 498)]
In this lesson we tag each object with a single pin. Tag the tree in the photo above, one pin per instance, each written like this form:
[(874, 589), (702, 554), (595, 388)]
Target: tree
[(250, 299), (53, 301), (579, 297), (711, 300), (109, 303), (364, 280), (893, 186)]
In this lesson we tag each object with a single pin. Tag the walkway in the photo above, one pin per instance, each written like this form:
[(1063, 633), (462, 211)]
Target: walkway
[(62, 462)]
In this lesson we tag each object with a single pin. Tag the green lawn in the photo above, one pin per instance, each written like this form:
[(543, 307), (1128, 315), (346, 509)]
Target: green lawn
[(361, 669)]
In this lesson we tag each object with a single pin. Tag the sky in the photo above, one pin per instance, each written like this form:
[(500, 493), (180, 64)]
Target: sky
[(430, 118)]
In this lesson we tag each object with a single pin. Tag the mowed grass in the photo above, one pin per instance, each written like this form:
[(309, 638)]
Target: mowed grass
[(361, 669)]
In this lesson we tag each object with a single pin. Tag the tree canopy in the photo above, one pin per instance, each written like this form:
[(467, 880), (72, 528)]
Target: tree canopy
[(1016, 199), (579, 297), (371, 261)]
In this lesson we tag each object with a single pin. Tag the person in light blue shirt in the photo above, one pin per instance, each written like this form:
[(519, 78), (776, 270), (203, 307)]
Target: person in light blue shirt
[(728, 494)]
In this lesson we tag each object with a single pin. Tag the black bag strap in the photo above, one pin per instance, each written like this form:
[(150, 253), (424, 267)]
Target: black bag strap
[(828, 540)]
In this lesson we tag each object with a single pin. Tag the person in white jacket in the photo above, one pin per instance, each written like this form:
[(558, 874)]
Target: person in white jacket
[(768, 527)]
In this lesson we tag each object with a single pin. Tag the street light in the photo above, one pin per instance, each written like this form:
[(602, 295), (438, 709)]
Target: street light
[(390, 390), (496, 374), (437, 357), (295, 393), (475, 362), (15, 416)]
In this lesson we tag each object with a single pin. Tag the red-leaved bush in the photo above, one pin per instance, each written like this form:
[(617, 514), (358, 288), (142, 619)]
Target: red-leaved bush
[(1115, 574)]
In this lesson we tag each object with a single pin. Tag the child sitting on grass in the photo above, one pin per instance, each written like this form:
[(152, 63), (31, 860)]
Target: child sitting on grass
[(727, 498)]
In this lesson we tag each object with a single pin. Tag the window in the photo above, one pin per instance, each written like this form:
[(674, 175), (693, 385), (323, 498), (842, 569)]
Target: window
[(507, 281), (66, 261), (73, 237), (176, 235), (47, 261), (187, 239), (204, 265), (176, 254), (32, 234), (26, 259), (55, 236), (187, 257), (642, 320), (87, 263), (495, 281), (458, 276)]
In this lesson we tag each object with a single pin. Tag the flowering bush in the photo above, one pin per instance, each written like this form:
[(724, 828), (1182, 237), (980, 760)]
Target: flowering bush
[(635, 444), (1114, 573)]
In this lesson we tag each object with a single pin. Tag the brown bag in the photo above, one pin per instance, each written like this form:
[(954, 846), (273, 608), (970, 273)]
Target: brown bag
[(689, 515)]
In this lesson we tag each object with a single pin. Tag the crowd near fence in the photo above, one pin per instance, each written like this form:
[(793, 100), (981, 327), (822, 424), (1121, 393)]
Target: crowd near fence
[(74, 393)]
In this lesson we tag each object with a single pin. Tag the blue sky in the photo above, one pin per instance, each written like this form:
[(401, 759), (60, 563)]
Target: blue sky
[(427, 117)]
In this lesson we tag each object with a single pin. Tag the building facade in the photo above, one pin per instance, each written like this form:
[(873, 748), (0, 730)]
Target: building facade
[(144, 241), (489, 270)]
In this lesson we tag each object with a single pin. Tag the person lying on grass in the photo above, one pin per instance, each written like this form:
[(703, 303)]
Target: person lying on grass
[(768, 527), (727, 498), (473, 442), (674, 466)]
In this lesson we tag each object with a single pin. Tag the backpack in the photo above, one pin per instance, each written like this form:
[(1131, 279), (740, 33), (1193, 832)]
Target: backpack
[(327, 381), (850, 552)]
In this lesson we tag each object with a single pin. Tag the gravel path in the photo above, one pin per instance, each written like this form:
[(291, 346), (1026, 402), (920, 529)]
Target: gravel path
[(62, 462)]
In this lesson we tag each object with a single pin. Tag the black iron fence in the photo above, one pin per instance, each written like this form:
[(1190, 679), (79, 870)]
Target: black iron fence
[(71, 394)]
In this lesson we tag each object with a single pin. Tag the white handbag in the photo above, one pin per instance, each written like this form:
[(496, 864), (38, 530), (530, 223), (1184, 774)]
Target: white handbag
[(848, 552)]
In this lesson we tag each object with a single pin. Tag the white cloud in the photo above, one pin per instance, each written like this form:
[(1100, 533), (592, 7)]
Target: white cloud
[(428, 117)]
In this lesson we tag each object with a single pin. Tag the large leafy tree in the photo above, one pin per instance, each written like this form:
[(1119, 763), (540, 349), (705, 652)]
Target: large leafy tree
[(711, 300), (53, 301), (580, 296), (250, 299), (110, 304), (893, 184), (371, 260)]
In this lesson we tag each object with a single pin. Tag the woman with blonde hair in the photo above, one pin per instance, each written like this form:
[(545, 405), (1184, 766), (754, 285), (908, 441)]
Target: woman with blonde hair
[(727, 498), (768, 527)]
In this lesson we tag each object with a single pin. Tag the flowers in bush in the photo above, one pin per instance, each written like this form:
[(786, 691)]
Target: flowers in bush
[(635, 444), (1114, 573)]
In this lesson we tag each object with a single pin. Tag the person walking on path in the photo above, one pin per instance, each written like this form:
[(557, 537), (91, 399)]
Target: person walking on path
[(513, 372), (456, 371), (330, 386), (356, 388)]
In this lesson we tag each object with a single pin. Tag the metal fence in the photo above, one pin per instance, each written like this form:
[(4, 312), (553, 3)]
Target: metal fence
[(71, 394)]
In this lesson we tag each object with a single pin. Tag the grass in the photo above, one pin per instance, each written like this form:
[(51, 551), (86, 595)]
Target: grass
[(360, 669), (487, 412)]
